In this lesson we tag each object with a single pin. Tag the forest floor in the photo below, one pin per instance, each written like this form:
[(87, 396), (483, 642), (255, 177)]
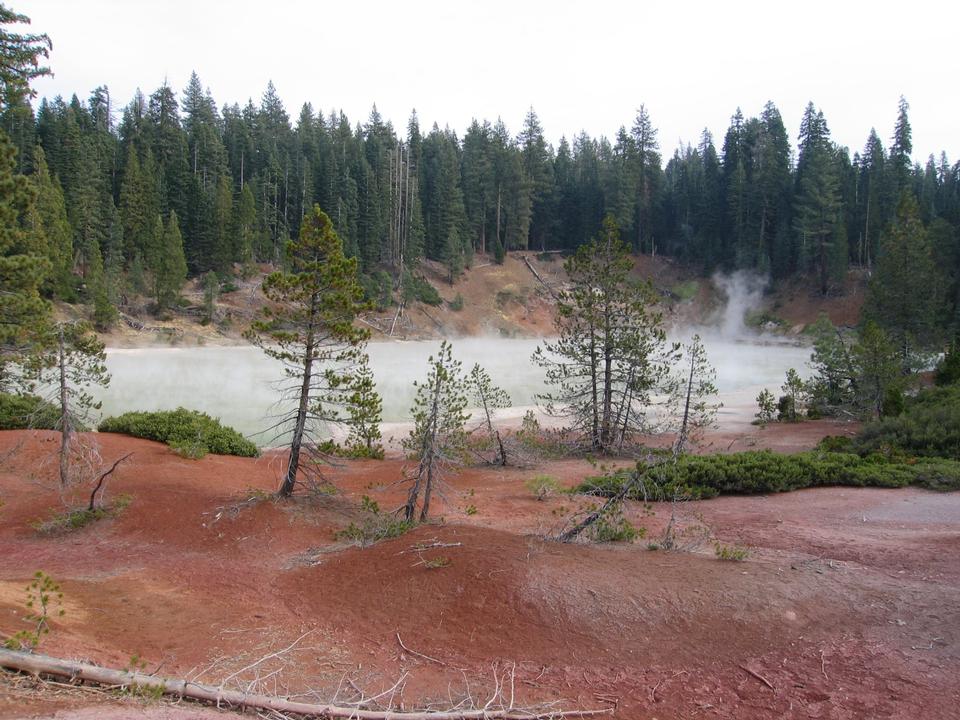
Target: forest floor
[(845, 608)]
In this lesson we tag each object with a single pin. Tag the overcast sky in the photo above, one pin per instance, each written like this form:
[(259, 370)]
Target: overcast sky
[(584, 65)]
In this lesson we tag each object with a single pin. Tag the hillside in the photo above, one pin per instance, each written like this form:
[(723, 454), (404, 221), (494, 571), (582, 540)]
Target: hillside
[(506, 300)]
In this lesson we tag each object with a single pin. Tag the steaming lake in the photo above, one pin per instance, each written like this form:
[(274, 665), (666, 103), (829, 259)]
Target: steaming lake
[(237, 384)]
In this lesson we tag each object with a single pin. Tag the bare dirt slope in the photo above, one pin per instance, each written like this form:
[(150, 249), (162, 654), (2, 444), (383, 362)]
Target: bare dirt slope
[(512, 299), (846, 607)]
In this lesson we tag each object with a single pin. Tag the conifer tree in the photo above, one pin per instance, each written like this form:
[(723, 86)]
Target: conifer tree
[(610, 354), (308, 327), (364, 411), (438, 436), (74, 360), (488, 398), (171, 270), (903, 295), (47, 219), (818, 202), (22, 271)]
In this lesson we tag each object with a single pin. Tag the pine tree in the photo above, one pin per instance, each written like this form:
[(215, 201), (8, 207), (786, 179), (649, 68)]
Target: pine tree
[(365, 411), (47, 219), (74, 360), (489, 398), (244, 226), (20, 58), (901, 147), (438, 436), (645, 162), (308, 326), (22, 272), (171, 270), (817, 211), (697, 392), (610, 354), (903, 295)]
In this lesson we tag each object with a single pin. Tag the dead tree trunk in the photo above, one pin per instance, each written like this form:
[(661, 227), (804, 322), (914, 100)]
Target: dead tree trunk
[(100, 480), (45, 665)]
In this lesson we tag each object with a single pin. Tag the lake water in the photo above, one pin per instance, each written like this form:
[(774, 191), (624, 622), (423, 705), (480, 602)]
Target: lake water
[(238, 384)]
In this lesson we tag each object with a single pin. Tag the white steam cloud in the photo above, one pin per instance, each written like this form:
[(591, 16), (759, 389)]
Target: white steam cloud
[(744, 292)]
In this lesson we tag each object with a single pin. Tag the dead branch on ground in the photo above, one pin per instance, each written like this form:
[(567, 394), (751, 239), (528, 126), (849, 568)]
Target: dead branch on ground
[(45, 665)]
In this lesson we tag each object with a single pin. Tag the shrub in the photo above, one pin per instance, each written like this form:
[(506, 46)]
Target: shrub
[(27, 412), (543, 486), (80, 517), (184, 430), (374, 526), (764, 471), (732, 553), (457, 303), (929, 426), (767, 407), (614, 527)]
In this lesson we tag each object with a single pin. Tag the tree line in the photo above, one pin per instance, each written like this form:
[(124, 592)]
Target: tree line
[(171, 185)]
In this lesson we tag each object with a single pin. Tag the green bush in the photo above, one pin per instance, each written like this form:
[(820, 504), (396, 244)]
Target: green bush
[(375, 525), (929, 426), (27, 412), (756, 472), (182, 429), (457, 303), (731, 553), (543, 486), (61, 523)]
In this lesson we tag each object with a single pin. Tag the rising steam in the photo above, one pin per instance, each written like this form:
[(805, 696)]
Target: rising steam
[(743, 292)]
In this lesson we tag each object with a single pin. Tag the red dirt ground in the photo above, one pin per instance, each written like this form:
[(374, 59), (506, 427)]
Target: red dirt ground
[(847, 604)]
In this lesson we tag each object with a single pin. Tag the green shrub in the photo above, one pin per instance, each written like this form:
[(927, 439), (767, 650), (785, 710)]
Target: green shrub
[(614, 528), (182, 429), (731, 553), (761, 318), (27, 412), (757, 472), (374, 526), (190, 449), (457, 303), (543, 486), (929, 426), (61, 523)]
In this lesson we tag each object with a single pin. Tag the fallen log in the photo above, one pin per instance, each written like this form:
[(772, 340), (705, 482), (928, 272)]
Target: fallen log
[(537, 276), (46, 665)]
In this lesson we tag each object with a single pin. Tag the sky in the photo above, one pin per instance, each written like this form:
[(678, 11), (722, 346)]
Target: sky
[(585, 65)]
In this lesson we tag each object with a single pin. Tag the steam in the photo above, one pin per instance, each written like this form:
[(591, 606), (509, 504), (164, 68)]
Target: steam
[(744, 292)]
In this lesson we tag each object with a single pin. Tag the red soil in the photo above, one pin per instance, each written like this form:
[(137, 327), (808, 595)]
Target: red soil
[(846, 606)]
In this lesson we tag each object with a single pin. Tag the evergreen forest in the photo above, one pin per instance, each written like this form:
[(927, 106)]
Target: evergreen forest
[(136, 197)]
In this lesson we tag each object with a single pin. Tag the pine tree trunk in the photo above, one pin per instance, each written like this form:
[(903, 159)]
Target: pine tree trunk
[(296, 442)]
